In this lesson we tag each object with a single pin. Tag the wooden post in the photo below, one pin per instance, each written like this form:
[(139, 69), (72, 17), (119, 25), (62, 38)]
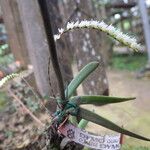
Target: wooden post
[(38, 48), (15, 32), (146, 25), (36, 42)]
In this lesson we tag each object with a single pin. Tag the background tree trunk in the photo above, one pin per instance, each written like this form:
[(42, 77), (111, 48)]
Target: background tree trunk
[(146, 25)]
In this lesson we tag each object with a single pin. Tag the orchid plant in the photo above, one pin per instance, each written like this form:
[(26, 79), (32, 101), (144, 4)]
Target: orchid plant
[(71, 105)]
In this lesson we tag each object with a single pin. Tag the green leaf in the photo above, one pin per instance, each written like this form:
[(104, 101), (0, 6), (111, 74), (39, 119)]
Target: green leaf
[(82, 75), (98, 99), (73, 120), (90, 116), (83, 123)]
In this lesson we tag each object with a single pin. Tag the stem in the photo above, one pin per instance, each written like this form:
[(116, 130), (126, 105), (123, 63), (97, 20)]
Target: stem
[(52, 48)]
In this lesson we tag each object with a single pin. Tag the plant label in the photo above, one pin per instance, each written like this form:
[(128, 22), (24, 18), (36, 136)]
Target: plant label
[(101, 142)]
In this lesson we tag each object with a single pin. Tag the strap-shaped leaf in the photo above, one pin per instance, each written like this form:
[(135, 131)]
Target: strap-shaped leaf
[(82, 75), (90, 116), (98, 99), (73, 120), (83, 123)]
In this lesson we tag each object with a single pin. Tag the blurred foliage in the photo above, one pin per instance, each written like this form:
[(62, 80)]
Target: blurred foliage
[(3, 48), (129, 62), (127, 147), (34, 106), (25, 94), (7, 59), (9, 134), (3, 100)]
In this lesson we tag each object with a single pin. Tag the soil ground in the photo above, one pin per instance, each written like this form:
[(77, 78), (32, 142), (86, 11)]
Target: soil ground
[(132, 115)]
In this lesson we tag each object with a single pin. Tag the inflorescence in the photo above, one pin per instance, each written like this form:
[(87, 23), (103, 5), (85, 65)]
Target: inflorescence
[(102, 26), (7, 78)]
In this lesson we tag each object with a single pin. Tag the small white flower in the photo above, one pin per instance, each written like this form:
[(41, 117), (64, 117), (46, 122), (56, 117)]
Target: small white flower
[(103, 26), (7, 78), (94, 23), (126, 38), (111, 30), (56, 37), (118, 35), (70, 25), (76, 24), (61, 30), (81, 24), (132, 40), (135, 45)]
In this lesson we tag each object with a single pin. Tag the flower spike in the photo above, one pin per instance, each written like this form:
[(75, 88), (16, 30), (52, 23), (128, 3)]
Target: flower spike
[(102, 26)]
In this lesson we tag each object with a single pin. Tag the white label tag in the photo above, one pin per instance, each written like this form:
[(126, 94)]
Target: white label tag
[(101, 142)]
